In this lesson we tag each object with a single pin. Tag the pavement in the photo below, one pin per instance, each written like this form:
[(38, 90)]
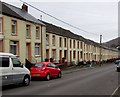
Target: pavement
[(77, 68)]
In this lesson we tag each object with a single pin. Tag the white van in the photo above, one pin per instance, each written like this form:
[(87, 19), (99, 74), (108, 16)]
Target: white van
[(12, 71)]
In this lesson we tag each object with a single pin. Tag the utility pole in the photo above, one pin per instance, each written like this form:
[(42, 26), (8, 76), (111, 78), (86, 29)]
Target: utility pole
[(41, 39), (100, 48)]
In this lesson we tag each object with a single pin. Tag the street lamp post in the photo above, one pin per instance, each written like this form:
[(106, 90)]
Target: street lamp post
[(100, 49)]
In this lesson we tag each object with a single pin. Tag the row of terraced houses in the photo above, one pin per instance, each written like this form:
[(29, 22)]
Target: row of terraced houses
[(32, 39)]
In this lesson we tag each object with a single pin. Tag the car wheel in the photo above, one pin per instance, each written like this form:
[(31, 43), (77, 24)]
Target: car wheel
[(48, 77), (59, 75), (26, 81)]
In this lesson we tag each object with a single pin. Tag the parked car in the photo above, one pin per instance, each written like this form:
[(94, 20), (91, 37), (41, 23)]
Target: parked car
[(13, 71), (117, 62), (46, 70), (60, 65)]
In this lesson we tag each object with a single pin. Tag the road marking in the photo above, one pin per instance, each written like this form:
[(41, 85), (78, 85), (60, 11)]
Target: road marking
[(115, 91)]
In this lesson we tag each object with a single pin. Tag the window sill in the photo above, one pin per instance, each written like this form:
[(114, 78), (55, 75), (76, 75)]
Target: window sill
[(1, 32), (14, 34), (53, 44), (38, 38), (28, 37), (37, 55)]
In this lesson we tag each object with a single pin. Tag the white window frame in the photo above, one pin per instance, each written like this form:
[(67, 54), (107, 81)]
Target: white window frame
[(53, 53), (53, 40), (14, 23), (28, 31), (47, 40), (14, 44), (60, 41), (37, 32), (37, 46), (65, 42)]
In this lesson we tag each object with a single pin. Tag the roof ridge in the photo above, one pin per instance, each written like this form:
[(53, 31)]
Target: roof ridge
[(6, 4), (11, 5), (22, 14)]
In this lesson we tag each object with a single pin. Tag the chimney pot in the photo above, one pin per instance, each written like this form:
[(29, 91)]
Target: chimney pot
[(25, 7)]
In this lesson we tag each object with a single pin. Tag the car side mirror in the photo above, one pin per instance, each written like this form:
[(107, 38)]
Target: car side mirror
[(22, 65)]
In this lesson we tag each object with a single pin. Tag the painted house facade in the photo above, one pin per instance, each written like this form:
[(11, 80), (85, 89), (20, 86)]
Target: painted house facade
[(31, 39), (62, 43), (21, 33)]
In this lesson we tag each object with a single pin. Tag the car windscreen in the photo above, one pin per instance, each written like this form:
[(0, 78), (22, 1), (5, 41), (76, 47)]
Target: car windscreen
[(39, 65)]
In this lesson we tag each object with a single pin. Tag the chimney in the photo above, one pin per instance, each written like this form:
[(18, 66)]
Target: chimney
[(25, 7)]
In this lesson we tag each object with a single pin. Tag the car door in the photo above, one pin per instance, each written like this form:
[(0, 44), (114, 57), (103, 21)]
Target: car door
[(17, 70), (6, 70), (51, 69), (55, 71)]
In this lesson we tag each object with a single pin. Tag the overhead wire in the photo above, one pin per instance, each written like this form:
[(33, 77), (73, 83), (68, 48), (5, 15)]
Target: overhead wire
[(59, 19)]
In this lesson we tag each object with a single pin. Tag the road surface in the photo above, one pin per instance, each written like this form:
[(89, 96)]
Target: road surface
[(86, 81)]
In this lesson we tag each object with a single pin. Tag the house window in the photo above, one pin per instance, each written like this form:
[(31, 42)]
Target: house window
[(74, 43), (60, 42), (0, 24), (81, 45), (87, 47), (47, 39), (14, 27), (37, 32), (78, 44), (81, 54), (28, 31), (70, 43), (53, 40), (1, 45), (14, 47), (74, 54), (84, 47), (37, 49), (65, 43), (53, 53)]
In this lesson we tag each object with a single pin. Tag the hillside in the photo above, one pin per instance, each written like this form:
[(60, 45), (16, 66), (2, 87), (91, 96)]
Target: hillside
[(113, 43)]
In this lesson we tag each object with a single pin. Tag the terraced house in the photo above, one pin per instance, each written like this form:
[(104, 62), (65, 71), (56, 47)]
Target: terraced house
[(21, 33), (62, 43), (29, 38)]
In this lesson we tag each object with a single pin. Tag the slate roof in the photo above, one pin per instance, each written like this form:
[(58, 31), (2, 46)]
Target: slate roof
[(16, 12), (50, 28)]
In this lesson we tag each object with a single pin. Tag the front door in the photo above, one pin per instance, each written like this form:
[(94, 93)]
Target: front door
[(28, 51)]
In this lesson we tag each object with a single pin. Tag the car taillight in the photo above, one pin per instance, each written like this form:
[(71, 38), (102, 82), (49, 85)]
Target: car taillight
[(43, 68)]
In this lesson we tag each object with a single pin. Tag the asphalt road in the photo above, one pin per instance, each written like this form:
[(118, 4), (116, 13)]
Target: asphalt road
[(86, 81)]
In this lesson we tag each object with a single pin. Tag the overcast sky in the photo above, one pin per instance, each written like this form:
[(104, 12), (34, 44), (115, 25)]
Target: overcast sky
[(94, 16)]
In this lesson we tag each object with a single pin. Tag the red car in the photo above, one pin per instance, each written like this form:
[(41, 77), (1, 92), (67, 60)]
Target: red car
[(46, 70)]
